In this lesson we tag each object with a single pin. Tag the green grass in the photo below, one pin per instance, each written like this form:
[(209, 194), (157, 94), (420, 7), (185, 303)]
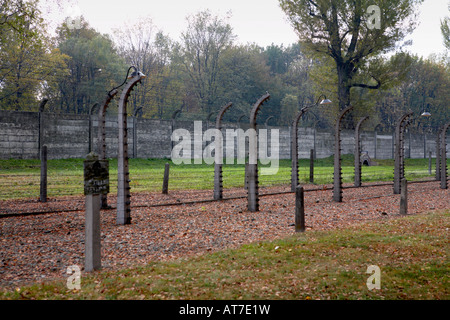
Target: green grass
[(411, 253), (21, 178)]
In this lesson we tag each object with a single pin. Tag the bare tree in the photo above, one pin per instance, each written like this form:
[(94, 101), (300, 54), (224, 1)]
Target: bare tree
[(203, 43)]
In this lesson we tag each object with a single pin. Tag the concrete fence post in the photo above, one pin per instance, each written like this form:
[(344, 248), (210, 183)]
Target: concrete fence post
[(135, 135), (337, 178), (294, 140), (294, 148), (253, 182), (123, 176), (96, 182), (399, 156), (218, 175), (92, 245)]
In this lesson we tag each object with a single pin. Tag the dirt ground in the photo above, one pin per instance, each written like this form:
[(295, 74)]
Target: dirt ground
[(37, 248)]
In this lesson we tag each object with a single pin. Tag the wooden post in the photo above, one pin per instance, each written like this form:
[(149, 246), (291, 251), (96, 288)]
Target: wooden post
[(43, 189), (429, 162), (299, 210), (165, 188), (311, 166), (41, 125), (404, 197), (443, 159)]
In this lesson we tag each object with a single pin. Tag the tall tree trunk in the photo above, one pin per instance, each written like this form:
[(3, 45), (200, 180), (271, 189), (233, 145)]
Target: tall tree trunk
[(345, 76), (343, 86)]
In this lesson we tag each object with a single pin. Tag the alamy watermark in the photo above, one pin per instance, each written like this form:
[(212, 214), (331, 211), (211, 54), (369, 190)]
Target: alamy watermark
[(74, 279), (374, 281), (212, 147), (73, 19), (373, 17)]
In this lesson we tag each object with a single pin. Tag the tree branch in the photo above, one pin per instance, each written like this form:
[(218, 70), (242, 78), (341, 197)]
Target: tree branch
[(367, 86)]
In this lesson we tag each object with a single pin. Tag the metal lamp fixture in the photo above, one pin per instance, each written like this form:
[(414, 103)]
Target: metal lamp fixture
[(326, 102), (426, 113)]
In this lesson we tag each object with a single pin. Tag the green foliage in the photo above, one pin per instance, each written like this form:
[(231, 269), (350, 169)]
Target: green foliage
[(206, 69), (27, 65), (200, 52), (342, 30), (289, 107), (425, 87), (94, 68)]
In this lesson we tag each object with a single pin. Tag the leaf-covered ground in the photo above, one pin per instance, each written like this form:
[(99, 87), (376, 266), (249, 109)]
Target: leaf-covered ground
[(41, 248)]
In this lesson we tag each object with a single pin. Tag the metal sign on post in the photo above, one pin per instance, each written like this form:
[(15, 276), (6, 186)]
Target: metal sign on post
[(96, 182), (96, 176)]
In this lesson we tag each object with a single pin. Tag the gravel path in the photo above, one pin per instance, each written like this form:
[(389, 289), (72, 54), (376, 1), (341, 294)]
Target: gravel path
[(42, 247)]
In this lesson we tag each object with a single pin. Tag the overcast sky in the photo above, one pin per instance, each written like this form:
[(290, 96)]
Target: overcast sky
[(259, 21)]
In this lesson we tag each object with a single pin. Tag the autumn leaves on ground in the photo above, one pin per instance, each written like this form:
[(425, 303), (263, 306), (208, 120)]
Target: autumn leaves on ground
[(411, 253), (219, 250)]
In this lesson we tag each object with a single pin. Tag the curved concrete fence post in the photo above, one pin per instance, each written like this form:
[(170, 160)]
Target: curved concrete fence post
[(294, 149), (123, 178), (337, 180), (218, 178), (399, 155), (294, 139), (252, 174)]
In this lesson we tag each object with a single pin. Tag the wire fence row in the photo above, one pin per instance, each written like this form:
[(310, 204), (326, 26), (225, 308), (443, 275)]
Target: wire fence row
[(67, 183)]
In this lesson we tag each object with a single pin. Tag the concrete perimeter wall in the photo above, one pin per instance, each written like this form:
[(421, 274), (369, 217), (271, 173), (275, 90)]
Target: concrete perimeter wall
[(67, 136)]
